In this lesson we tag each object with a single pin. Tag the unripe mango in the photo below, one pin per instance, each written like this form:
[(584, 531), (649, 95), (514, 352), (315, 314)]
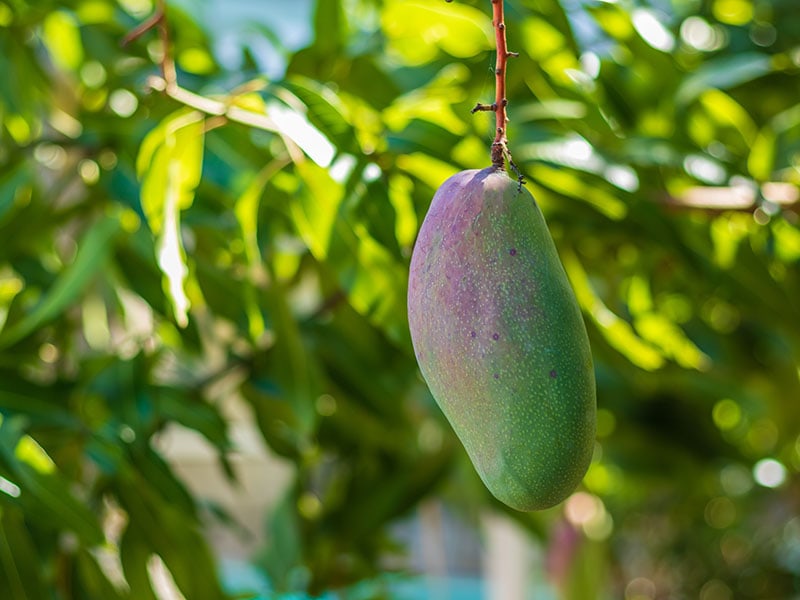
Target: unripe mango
[(500, 340)]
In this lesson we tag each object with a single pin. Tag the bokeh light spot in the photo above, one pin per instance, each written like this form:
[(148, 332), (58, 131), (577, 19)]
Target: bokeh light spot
[(89, 171), (123, 102), (735, 549), (720, 512), (326, 405), (309, 506), (733, 12), (606, 422), (736, 480), (652, 30), (581, 508), (588, 512), (93, 74), (640, 588), (769, 473), (726, 414), (6, 15), (762, 436), (715, 590), (48, 353)]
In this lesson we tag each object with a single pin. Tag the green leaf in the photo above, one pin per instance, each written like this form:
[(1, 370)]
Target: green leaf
[(12, 185), (761, 161), (246, 211), (20, 577), (45, 492), (11, 284), (62, 38), (325, 111), (172, 534), (588, 570), (617, 332), (284, 550), (42, 410), (94, 581), (293, 367), (169, 165), (134, 555), (93, 250), (329, 21), (315, 209), (723, 73), (460, 30)]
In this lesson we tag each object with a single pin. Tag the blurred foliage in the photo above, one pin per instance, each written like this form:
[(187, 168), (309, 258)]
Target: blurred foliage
[(259, 228)]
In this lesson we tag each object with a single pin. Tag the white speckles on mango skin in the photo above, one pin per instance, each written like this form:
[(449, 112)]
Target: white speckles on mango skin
[(500, 339)]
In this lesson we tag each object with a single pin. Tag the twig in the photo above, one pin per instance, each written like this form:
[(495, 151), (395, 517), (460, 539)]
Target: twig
[(158, 20), (224, 110), (144, 27)]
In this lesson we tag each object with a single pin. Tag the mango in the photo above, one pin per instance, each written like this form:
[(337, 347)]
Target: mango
[(500, 340)]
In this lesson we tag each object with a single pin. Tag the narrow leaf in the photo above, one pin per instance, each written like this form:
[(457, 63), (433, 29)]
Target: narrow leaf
[(169, 164), (723, 73), (19, 576), (93, 250)]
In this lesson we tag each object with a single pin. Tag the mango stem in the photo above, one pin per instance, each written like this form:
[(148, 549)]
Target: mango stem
[(500, 144)]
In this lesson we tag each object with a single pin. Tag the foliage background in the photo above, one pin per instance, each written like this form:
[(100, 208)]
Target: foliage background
[(151, 250)]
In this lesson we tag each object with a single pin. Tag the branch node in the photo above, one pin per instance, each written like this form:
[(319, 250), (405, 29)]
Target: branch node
[(484, 107), (512, 54)]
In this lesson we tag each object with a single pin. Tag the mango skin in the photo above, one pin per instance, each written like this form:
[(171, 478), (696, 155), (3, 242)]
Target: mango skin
[(500, 340)]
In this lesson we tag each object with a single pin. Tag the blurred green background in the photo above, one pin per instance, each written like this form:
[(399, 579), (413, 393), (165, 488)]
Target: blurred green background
[(213, 270)]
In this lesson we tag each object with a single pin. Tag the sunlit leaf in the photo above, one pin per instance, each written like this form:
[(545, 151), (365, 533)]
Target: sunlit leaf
[(246, 211), (761, 161), (316, 207), (10, 285), (433, 103), (431, 171), (170, 164), (727, 111), (727, 232), (569, 184), (617, 332), (326, 112), (63, 40), (458, 29), (664, 334), (377, 287), (723, 73), (406, 222)]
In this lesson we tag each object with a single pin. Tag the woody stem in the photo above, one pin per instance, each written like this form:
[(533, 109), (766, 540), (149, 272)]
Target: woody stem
[(501, 119)]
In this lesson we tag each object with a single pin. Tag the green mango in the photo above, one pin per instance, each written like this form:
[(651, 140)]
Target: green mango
[(500, 339)]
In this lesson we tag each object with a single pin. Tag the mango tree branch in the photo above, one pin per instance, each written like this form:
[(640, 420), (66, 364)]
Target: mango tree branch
[(500, 153), (158, 19)]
